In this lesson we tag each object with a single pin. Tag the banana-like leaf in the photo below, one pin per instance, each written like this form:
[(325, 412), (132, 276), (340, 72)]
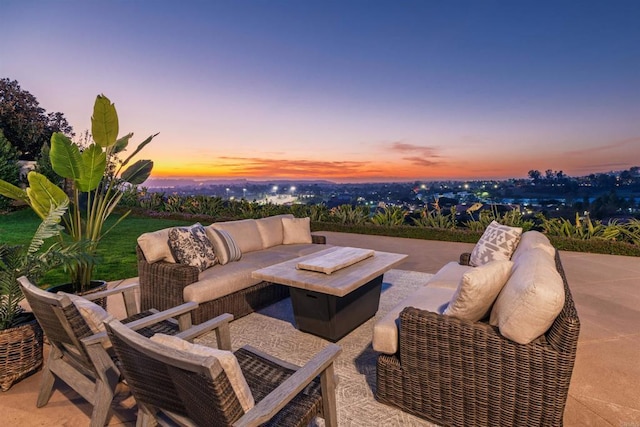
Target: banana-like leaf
[(138, 172), (121, 143), (65, 157), (11, 191), (140, 147), (43, 194), (94, 162), (104, 122)]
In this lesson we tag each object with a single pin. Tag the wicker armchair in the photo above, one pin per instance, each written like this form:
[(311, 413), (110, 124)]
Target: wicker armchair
[(176, 387), (78, 356), (460, 373), (162, 285)]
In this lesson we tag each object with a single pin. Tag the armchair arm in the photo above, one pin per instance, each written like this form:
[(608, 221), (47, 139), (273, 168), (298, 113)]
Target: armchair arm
[(221, 326), (465, 258), (321, 364), (318, 239), (162, 283), (128, 295)]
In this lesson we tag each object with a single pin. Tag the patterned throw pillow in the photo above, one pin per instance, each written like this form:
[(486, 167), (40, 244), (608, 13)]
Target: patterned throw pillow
[(497, 243), (224, 246), (191, 246)]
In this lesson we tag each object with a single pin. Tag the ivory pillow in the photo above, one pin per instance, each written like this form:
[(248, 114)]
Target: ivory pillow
[(155, 246), (92, 313), (530, 240), (270, 229), (531, 299), (226, 359), (244, 232), (497, 243), (478, 290), (296, 230)]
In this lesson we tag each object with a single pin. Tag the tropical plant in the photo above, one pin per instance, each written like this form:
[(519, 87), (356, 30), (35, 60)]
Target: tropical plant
[(581, 228), (389, 216), (33, 261), (97, 177), (436, 219), (9, 167), (348, 215)]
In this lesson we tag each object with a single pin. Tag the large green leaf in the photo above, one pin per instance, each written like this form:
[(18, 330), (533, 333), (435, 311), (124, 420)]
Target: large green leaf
[(94, 163), (140, 147), (11, 191), (104, 122), (121, 143), (138, 172), (43, 194), (65, 157)]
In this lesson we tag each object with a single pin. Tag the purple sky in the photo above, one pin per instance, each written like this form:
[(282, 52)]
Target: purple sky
[(344, 90)]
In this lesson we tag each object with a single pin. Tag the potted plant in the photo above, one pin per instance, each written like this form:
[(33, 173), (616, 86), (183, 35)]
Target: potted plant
[(20, 334), (95, 176)]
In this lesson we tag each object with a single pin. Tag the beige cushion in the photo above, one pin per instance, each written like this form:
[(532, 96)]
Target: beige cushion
[(497, 243), (244, 232), (531, 299), (271, 231), (296, 230), (385, 331), (227, 361), (92, 313), (449, 275), (191, 246), (225, 248), (533, 239), (478, 290), (155, 246)]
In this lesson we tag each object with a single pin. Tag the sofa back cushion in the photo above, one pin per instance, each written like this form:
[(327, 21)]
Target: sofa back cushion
[(244, 232), (498, 242), (271, 231), (478, 290), (531, 299), (155, 246), (296, 231)]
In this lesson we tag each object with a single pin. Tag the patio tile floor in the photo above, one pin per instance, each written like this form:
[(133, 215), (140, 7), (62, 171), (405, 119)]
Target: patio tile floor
[(604, 389)]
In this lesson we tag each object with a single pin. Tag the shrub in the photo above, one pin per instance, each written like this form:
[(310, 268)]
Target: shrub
[(9, 167)]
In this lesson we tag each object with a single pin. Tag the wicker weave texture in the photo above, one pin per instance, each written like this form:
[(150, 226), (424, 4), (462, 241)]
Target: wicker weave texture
[(20, 352), (162, 285), (461, 373)]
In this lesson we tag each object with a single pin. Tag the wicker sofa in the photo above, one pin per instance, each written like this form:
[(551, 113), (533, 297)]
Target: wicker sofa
[(463, 373), (227, 288)]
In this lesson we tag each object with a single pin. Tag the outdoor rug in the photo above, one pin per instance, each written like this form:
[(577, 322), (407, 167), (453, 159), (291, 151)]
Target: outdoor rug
[(273, 331)]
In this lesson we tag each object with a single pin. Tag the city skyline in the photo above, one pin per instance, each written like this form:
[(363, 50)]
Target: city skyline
[(355, 91)]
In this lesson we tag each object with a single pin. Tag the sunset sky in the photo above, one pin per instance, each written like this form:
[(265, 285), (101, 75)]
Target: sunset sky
[(343, 90)]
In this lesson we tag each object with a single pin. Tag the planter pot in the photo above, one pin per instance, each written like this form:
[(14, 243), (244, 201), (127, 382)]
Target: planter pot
[(20, 351), (95, 286)]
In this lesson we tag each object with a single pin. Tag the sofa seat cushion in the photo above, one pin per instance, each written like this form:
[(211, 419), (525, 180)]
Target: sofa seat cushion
[(221, 280), (271, 231), (386, 329), (531, 299), (244, 232), (449, 276), (478, 290)]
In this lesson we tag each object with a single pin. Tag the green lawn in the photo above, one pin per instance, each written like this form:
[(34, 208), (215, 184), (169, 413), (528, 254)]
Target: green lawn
[(116, 253)]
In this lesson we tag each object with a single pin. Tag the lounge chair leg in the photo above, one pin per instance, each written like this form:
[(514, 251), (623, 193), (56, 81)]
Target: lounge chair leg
[(46, 384), (329, 407), (102, 404)]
